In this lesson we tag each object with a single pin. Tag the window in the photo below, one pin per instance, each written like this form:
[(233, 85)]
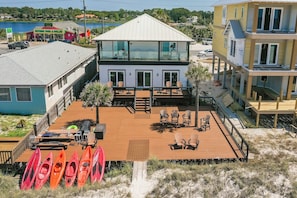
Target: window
[(171, 76), (5, 94), (60, 83), (266, 53), (233, 48), (65, 80), (23, 94), (269, 18), (116, 76), (242, 12), (225, 42), (224, 15), (235, 13), (144, 78), (50, 90)]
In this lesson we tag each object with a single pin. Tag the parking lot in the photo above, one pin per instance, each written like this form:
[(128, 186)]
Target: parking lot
[(4, 46)]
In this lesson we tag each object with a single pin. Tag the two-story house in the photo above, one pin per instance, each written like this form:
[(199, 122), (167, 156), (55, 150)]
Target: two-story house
[(33, 80), (143, 53), (258, 40)]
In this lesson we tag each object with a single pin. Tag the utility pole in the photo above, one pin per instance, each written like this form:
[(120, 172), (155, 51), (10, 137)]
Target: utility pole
[(85, 28)]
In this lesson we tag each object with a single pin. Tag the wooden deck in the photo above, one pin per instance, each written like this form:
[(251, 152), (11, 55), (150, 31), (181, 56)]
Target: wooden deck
[(124, 128)]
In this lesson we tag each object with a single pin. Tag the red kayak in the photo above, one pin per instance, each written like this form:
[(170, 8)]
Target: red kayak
[(71, 170), (31, 170), (58, 170), (84, 167), (98, 165), (44, 171)]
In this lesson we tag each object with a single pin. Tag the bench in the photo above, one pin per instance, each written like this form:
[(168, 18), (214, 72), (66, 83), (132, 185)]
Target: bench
[(51, 145)]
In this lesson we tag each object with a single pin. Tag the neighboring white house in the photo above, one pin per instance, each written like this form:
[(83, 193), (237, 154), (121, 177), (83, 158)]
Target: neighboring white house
[(34, 79), (143, 53)]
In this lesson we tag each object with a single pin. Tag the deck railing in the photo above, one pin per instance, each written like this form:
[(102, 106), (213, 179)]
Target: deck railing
[(232, 130)]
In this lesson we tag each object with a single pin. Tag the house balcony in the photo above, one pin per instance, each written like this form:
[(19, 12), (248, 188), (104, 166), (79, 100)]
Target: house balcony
[(144, 57), (271, 35)]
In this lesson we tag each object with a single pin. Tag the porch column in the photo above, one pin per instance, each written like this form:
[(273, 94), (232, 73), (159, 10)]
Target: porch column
[(292, 67), (225, 74), (241, 86), (232, 84), (249, 87), (256, 8), (213, 64), (218, 72), (252, 55)]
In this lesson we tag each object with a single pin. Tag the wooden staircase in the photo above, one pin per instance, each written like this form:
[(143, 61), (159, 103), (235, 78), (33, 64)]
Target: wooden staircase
[(142, 101)]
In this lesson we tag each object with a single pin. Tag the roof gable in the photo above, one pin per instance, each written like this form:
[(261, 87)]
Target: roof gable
[(235, 27), (144, 28), (41, 65)]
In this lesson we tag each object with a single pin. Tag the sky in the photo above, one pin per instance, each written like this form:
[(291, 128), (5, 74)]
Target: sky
[(113, 5)]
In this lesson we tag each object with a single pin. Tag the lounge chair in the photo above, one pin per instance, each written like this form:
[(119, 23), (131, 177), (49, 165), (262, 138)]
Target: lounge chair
[(193, 142), (163, 117), (179, 143), (187, 118)]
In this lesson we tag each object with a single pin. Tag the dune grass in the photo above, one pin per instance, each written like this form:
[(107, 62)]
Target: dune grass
[(9, 125)]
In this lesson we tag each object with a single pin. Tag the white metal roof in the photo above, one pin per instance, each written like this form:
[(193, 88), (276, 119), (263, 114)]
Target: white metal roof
[(144, 28), (226, 2), (41, 65)]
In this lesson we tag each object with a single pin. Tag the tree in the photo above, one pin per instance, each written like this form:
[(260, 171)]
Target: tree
[(197, 74), (96, 94)]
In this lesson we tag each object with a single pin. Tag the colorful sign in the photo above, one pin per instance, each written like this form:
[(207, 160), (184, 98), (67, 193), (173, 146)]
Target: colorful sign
[(9, 33)]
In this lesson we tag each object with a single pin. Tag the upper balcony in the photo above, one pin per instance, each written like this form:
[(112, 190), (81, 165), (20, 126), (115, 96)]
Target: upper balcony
[(130, 52)]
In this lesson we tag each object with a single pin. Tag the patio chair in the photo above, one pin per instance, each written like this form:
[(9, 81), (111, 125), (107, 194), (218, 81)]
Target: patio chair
[(109, 84), (90, 140), (179, 85), (174, 117), (168, 85), (163, 117), (179, 142), (204, 123), (193, 142), (187, 118)]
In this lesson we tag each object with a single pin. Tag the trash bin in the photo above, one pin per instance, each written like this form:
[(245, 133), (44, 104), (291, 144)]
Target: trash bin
[(100, 131)]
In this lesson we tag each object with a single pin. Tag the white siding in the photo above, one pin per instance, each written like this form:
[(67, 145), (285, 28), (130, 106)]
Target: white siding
[(157, 71), (239, 50)]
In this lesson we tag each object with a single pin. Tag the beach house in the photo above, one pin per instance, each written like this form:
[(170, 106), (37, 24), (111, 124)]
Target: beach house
[(33, 80), (256, 44), (143, 54)]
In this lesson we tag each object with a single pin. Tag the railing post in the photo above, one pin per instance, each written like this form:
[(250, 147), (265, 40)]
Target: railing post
[(35, 129)]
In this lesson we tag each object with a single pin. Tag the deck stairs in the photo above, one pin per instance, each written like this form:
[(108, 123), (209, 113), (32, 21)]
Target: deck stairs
[(142, 101)]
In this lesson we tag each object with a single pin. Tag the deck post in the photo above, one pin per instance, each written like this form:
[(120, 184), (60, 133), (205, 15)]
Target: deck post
[(277, 102), (275, 120), (259, 103), (219, 68), (257, 119)]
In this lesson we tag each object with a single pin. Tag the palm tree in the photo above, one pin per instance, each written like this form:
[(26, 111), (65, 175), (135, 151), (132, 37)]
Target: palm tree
[(197, 74), (96, 94)]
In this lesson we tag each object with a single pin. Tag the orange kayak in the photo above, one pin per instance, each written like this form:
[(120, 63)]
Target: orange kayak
[(44, 171), (58, 170), (31, 170), (71, 170), (84, 167)]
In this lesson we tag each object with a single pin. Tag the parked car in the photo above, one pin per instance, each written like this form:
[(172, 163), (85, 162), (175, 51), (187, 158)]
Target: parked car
[(205, 53), (207, 41), (20, 44)]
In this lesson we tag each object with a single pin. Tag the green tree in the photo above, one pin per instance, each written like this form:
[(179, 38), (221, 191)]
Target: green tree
[(196, 74), (96, 94)]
